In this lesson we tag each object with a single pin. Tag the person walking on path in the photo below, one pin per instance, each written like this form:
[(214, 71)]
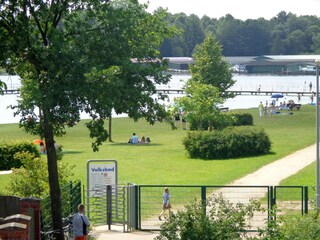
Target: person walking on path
[(166, 203), (80, 224)]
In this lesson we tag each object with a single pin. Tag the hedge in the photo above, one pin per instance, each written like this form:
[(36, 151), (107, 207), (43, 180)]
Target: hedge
[(242, 119), (231, 142), (8, 151)]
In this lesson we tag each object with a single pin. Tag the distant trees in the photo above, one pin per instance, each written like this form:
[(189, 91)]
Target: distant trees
[(285, 33)]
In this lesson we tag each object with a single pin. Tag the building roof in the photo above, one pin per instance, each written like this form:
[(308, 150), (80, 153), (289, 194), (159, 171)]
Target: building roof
[(257, 60)]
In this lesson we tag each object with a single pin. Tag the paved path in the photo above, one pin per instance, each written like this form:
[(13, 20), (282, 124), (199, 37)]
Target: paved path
[(269, 175)]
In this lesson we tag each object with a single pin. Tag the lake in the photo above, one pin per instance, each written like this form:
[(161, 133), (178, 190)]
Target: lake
[(243, 82)]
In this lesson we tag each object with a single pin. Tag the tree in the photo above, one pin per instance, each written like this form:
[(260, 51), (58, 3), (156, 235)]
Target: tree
[(201, 106), (81, 56), (210, 67)]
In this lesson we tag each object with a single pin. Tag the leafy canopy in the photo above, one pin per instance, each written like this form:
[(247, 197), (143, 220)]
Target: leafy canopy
[(210, 67), (106, 57)]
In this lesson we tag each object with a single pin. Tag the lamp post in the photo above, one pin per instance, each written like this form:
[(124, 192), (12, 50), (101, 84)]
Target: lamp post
[(317, 62)]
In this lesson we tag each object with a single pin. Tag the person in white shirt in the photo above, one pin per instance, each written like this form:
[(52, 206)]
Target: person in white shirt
[(134, 139), (80, 224)]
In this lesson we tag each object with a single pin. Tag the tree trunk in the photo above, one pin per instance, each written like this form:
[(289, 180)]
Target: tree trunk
[(55, 193), (110, 128)]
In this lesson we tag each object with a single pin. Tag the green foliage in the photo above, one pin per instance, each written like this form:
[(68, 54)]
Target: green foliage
[(210, 67), (285, 33), (221, 221), (8, 152), (82, 56), (305, 227), (32, 178), (200, 106), (242, 119), (3, 86), (231, 142)]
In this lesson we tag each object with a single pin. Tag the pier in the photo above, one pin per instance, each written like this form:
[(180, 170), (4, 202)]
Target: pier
[(247, 92), (235, 92)]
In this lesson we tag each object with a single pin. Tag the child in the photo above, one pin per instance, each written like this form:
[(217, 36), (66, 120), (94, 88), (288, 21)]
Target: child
[(166, 203)]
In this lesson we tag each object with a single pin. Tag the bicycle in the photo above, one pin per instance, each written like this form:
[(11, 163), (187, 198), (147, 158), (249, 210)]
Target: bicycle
[(67, 228)]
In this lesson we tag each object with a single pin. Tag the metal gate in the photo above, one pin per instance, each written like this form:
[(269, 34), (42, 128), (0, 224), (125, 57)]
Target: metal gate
[(289, 199), (113, 205)]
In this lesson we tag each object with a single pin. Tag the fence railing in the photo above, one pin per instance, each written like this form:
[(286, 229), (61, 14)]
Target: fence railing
[(289, 200), (70, 198)]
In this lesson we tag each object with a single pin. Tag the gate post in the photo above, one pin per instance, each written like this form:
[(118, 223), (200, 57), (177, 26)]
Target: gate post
[(204, 197), (136, 207), (109, 206), (306, 199), (272, 201)]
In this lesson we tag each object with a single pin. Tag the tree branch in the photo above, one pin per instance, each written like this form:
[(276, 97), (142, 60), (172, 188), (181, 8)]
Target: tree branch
[(43, 34)]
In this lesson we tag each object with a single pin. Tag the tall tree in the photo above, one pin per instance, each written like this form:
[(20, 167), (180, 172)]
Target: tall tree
[(210, 67), (81, 56), (201, 106)]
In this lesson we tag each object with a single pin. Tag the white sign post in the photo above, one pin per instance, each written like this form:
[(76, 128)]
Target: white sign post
[(101, 173)]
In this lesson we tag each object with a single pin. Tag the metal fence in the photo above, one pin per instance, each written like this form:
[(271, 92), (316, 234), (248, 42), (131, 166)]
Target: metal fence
[(113, 205), (289, 200), (70, 198)]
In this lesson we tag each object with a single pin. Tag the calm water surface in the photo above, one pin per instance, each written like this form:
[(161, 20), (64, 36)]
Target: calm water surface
[(243, 82)]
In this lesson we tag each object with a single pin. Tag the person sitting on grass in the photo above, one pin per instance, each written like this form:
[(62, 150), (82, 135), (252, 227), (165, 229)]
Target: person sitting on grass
[(43, 149), (143, 140), (134, 139)]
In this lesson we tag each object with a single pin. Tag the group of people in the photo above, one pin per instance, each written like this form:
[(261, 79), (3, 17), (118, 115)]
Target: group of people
[(266, 110), (43, 148), (135, 139)]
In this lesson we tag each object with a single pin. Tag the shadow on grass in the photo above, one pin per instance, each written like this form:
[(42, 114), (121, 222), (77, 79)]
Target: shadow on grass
[(135, 145), (71, 152), (238, 158)]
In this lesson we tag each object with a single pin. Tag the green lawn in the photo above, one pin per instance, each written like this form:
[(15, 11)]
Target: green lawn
[(164, 161)]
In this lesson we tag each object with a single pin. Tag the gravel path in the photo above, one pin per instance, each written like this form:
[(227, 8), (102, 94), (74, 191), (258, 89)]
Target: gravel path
[(270, 175)]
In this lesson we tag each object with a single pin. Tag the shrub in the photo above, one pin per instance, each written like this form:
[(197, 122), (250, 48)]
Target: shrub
[(305, 227), (220, 121), (222, 220), (32, 179), (8, 151), (242, 119), (231, 142)]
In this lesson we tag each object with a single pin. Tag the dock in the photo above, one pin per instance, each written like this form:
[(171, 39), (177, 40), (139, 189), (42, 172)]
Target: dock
[(247, 92), (235, 92)]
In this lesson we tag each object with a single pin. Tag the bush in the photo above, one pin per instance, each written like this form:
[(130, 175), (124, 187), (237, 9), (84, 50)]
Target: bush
[(229, 143), (32, 179), (242, 119), (222, 220), (303, 227), (8, 151)]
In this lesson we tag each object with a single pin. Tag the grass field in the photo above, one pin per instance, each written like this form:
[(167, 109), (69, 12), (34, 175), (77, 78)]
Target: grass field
[(164, 161)]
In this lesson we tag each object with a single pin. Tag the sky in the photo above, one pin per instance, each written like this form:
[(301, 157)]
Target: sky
[(239, 9)]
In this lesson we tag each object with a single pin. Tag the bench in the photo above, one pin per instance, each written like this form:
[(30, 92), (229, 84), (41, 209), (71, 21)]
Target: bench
[(224, 109), (291, 106)]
